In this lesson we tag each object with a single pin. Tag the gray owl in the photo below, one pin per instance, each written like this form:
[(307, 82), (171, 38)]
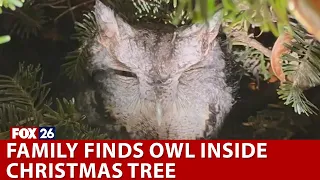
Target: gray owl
[(161, 82)]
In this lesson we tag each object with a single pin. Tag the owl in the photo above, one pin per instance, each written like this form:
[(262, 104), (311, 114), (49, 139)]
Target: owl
[(160, 82)]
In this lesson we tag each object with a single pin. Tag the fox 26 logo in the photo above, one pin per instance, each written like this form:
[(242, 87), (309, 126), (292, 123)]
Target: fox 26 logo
[(33, 133)]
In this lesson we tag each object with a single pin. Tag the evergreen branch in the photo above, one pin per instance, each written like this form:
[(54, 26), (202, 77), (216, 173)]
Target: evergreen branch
[(75, 67), (70, 123), (11, 4), (24, 101), (10, 116), (302, 63), (25, 91), (86, 30), (28, 20), (66, 111), (254, 62), (302, 67), (268, 15), (22, 98), (293, 95)]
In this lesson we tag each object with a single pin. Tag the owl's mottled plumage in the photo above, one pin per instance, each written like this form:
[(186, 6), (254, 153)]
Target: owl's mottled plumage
[(161, 84)]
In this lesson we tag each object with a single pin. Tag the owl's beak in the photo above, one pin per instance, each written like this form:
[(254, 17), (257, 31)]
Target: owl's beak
[(159, 112)]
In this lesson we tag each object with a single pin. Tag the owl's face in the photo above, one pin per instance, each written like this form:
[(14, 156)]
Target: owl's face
[(159, 84)]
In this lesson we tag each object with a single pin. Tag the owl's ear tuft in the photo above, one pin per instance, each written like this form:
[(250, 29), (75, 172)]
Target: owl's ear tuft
[(211, 28), (111, 25)]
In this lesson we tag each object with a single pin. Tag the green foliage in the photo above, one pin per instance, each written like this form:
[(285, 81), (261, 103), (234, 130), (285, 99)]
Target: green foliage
[(238, 13), (302, 66), (4, 39), (28, 20), (176, 12), (200, 11), (69, 122), (268, 15), (293, 95), (25, 91), (254, 62), (75, 67), (165, 11), (22, 97), (25, 101), (11, 4)]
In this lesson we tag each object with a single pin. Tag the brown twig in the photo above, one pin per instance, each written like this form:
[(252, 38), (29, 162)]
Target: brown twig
[(72, 14), (243, 37), (72, 8), (52, 5)]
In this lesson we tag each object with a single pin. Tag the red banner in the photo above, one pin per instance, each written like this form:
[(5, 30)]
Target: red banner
[(53, 159)]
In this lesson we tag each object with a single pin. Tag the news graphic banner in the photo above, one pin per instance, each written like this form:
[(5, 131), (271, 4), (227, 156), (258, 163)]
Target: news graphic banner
[(33, 153)]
